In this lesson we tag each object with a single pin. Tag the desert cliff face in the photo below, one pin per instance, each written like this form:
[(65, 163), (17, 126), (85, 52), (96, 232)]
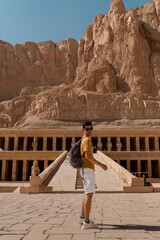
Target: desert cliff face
[(112, 74), (34, 65)]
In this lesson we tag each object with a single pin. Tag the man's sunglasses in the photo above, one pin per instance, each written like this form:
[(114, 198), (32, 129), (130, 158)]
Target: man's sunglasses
[(87, 129)]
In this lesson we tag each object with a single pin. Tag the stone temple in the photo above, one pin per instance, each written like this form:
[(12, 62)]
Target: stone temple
[(111, 77)]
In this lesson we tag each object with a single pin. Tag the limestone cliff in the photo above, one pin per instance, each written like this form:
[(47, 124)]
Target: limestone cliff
[(34, 65), (112, 74)]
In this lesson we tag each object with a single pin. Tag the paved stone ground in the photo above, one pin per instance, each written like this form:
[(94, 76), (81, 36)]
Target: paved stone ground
[(55, 216)]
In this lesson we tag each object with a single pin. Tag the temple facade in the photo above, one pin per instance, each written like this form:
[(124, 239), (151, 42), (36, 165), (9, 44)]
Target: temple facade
[(136, 150)]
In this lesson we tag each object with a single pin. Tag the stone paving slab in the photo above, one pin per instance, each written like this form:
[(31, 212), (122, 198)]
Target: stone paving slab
[(11, 237), (55, 216)]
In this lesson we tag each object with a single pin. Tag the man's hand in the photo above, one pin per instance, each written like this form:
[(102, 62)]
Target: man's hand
[(104, 167), (94, 161)]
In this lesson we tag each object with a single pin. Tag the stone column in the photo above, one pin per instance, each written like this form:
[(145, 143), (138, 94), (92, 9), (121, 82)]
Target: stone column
[(109, 144), (118, 144), (44, 143), (129, 165), (147, 143), (3, 177), (24, 178), (149, 169), (128, 143), (15, 143), (34, 144), (99, 145), (64, 143), (25, 144), (14, 168), (139, 167), (156, 144), (73, 141), (45, 164), (137, 144), (54, 144), (6, 143)]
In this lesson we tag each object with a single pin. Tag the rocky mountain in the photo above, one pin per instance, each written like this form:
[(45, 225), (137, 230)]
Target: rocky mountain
[(113, 74)]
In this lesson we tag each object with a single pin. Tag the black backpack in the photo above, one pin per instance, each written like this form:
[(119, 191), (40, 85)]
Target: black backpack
[(75, 158)]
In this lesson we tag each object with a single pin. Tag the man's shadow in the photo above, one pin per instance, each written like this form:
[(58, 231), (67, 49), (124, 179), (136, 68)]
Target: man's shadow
[(129, 227)]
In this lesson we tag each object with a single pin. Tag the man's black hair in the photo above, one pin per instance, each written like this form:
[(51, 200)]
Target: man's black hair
[(87, 123)]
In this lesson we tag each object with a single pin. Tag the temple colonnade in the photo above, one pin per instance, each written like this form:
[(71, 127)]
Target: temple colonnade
[(136, 150)]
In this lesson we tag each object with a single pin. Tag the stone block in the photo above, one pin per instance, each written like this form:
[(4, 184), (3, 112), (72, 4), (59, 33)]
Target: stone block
[(38, 189), (138, 189)]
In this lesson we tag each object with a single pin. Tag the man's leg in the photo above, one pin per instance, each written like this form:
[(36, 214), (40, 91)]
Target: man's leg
[(89, 185), (82, 210), (86, 204)]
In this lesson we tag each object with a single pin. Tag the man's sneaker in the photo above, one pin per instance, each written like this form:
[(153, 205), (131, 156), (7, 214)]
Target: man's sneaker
[(81, 220), (89, 225)]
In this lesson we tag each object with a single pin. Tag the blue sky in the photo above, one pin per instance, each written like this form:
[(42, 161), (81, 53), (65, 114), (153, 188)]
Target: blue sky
[(56, 20)]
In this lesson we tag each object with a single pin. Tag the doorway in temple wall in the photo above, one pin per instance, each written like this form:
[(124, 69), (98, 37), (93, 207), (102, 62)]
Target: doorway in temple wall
[(151, 143), (29, 143), (2, 142), (58, 144), (133, 164), (19, 170), (104, 143), (20, 144), (40, 144), (114, 142), (41, 165), (77, 139), (8, 173), (132, 143), (49, 143), (94, 141), (29, 166), (144, 168), (68, 143), (142, 143), (11, 144), (123, 163), (155, 168), (0, 169), (124, 144)]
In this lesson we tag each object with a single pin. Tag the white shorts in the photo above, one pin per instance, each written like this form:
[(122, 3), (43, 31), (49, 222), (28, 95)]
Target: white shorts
[(88, 179)]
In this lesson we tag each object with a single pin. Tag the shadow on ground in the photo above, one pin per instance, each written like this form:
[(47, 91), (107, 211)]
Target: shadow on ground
[(130, 227)]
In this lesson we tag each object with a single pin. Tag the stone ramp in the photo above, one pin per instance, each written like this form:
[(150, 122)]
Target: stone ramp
[(65, 180), (107, 181)]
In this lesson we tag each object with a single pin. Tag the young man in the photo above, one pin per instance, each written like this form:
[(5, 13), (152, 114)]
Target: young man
[(88, 177)]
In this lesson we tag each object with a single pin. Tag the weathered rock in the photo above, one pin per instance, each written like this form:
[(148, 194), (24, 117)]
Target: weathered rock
[(34, 65), (117, 7), (157, 6), (113, 74)]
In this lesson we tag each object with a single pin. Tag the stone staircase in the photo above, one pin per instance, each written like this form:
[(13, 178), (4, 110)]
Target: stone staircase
[(79, 184)]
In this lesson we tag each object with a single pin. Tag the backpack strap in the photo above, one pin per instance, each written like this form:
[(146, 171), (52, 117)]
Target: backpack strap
[(83, 155)]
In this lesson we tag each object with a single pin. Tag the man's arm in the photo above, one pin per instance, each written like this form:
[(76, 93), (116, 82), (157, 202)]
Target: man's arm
[(94, 161)]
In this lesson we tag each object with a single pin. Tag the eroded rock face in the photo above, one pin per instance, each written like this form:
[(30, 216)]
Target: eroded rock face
[(34, 65), (113, 73)]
